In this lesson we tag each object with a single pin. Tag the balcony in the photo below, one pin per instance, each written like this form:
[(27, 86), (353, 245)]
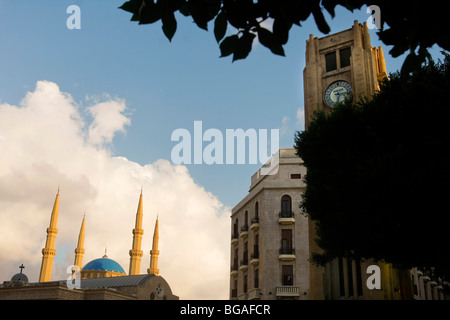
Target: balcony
[(255, 294), (234, 268), (286, 217), (287, 254), (254, 224), (234, 238), (288, 292), (254, 258), (243, 296), (244, 264), (244, 231)]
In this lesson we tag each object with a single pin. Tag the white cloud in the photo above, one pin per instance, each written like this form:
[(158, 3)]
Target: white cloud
[(45, 142), (108, 119)]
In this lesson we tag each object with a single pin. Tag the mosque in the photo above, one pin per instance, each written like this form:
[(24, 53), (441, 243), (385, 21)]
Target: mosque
[(99, 279)]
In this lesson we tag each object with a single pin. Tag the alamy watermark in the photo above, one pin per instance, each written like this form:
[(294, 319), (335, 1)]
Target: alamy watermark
[(374, 21), (231, 148), (74, 20)]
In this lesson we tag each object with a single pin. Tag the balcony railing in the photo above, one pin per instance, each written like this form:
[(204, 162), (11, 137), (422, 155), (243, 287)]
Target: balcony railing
[(244, 231), (244, 263), (288, 291), (287, 251), (254, 223), (234, 238), (287, 254), (286, 217), (286, 214)]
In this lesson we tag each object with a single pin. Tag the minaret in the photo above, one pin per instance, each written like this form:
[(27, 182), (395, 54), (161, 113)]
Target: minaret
[(154, 253), (48, 253), (136, 252), (79, 251)]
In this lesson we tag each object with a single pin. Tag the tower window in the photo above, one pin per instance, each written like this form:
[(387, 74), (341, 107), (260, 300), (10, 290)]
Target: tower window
[(330, 61), (345, 55), (286, 207)]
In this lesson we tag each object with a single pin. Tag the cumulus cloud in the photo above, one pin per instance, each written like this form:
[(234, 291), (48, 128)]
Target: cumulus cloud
[(108, 119), (45, 142)]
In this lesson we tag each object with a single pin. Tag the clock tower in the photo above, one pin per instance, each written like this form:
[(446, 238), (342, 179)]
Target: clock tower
[(339, 66)]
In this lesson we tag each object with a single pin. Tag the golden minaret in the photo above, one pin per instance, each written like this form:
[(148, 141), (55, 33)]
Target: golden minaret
[(48, 253), (79, 251), (154, 253), (136, 252)]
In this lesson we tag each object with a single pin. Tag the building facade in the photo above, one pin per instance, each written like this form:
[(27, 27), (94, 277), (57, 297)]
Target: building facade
[(269, 240)]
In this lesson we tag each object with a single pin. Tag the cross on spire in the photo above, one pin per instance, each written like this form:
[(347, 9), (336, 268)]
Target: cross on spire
[(21, 267)]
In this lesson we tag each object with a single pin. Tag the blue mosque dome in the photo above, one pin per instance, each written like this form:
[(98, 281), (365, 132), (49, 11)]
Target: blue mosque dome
[(103, 264)]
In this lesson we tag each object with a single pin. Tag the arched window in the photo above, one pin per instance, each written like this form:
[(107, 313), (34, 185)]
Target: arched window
[(235, 229), (286, 206)]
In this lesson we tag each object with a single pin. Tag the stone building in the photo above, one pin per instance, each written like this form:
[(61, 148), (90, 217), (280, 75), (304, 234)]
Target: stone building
[(269, 240)]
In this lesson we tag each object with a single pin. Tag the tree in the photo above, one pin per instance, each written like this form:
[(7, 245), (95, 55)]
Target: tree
[(409, 28), (378, 173)]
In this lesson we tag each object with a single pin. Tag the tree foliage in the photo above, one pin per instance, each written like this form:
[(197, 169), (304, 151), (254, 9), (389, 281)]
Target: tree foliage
[(403, 25), (378, 173)]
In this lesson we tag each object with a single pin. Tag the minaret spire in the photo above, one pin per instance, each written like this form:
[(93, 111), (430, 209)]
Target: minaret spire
[(79, 251), (136, 252), (154, 253), (48, 253)]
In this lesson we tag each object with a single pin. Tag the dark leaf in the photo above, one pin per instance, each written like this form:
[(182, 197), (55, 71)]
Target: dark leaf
[(320, 20), (132, 6), (267, 39), (281, 29), (149, 13), (169, 25), (243, 46), (220, 26), (184, 9), (228, 45)]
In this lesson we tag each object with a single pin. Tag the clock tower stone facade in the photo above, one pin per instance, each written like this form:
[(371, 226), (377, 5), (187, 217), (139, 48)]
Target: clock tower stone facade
[(338, 66)]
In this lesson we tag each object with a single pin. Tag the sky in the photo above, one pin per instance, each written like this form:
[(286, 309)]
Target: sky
[(92, 111)]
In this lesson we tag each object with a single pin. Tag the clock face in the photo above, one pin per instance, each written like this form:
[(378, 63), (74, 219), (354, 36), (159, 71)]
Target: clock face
[(337, 91)]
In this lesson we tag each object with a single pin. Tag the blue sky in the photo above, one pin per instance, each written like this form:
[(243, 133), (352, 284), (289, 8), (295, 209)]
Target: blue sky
[(165, 85)]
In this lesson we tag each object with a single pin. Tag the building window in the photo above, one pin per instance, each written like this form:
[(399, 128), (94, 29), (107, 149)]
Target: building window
[(287, 275), (256, 278), (296, 176), (246, 218), (235, 229), (286, 206), (234, 290), (344, 57), (245, 284), (245, 254), (286, 242), (330, 61), (255, 254)]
